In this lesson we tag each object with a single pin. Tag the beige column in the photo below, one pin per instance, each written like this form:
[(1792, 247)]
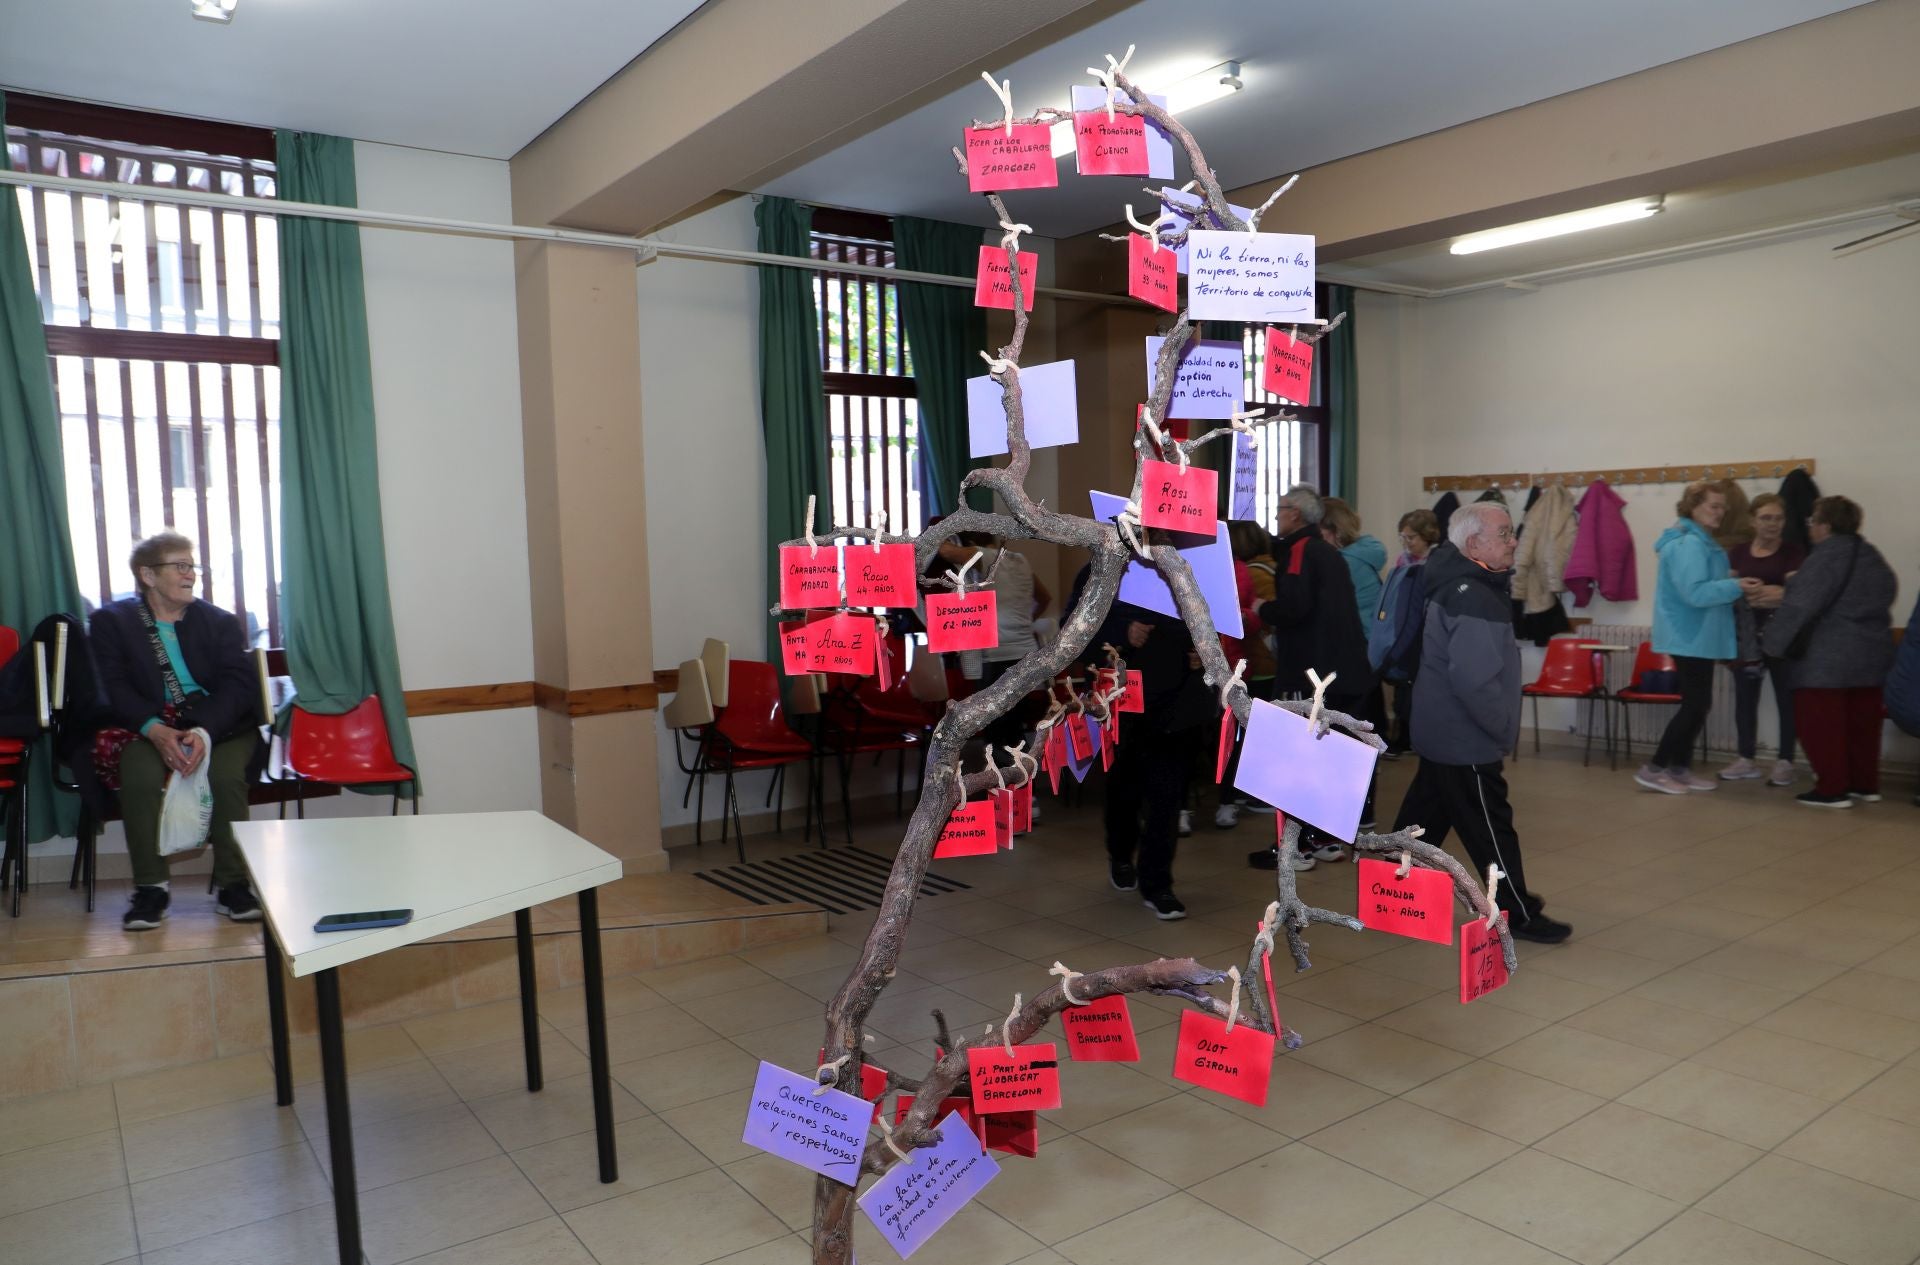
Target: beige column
[(587, 546)]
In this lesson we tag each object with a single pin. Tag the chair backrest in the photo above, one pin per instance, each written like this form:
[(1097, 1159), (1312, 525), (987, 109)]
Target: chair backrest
[(803, 694), (1645, 661), (692, 704), (714, 656), (1568, 665), (754, 713), (9, 643), (927, 679), (346, 749)]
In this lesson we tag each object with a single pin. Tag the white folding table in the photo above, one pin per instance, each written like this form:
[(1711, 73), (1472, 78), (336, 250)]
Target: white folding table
[(452, 870)]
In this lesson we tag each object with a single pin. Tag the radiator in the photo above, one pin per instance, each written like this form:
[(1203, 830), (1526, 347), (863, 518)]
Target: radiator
[(1647, 721)]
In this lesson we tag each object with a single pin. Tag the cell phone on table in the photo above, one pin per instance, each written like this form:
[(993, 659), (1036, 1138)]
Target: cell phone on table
[(364, 921)]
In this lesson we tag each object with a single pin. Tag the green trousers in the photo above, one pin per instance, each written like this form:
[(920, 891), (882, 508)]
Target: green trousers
[(143, 777)]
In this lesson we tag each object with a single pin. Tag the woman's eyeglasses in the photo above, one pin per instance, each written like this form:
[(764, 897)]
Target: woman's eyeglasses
[(184, 568)]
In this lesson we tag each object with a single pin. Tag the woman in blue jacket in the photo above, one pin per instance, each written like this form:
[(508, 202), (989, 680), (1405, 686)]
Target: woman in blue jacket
[(1692, 621)]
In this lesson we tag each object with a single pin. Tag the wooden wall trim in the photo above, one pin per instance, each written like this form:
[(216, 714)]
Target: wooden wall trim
[(455, 699), (458, 699)]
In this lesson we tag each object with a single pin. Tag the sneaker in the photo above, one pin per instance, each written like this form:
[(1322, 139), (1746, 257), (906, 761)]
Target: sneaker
[(1541, 930), (1329, 852), (1186, 823), (1865, 797), (1166, 906), (1814, 799), (1300, 862), (1657, 779), (1783, 774), (1123, 876), (1226, 817), (238, 903), (1255, 806), (1264, 859), (1687, 780), (147, 910), (1533, 904), (1741, 770)]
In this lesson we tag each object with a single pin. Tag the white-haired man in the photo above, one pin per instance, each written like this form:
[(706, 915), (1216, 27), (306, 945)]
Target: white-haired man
[(1466, 711)]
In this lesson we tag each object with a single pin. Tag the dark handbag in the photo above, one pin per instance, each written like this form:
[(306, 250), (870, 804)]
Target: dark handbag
[(1797, 648)]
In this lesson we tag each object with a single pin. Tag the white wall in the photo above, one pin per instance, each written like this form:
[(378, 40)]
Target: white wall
[(1776, 351)]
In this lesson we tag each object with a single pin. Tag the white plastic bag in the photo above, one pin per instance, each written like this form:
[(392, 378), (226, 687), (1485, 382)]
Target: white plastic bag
[(186, 808)]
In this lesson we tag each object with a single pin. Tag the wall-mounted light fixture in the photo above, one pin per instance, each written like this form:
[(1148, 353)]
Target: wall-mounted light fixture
[(1556, 225), (220, 11), (1187, 94)]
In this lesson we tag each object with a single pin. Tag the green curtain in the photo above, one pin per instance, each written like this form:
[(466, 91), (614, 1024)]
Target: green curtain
[(945, 334), (340, 645), (37, 576), (1341, 385)]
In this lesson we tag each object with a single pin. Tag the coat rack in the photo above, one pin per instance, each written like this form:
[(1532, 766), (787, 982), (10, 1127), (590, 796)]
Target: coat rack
[(1619, 476)]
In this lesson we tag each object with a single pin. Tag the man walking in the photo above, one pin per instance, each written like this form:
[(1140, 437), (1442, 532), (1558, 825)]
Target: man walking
[(1466, 712)]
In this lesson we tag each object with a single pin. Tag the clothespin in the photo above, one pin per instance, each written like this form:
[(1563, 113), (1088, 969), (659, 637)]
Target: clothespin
[(1406, 863), (879, 535), (1319, 693), (1110, 76), (827, 1073), (996, 367), (1240, 421), (1003, 90), (1010, 234), (1233, 1006)]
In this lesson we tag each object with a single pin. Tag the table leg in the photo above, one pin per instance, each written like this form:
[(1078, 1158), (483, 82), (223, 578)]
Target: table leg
[(529, 998), (333, 1071), (277, 1017), (597, 1033)]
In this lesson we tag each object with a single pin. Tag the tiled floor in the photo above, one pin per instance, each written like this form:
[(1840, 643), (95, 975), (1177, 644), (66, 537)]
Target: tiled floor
[(1722, 1066)]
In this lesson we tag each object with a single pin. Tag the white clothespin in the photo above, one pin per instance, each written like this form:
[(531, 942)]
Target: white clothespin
[(1494, 875), (1110, 75), (996, 367), (827, 1073), (1006, 1029), (1233, 1007), (1153, 230), (1319, 693), (1128, 521), (1239, 670), (1067, 976), (1004, 90), (959, 577), (1406, 863), (813, 546)]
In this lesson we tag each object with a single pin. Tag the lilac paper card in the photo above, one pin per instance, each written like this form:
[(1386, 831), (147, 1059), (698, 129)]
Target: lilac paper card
[(1321, 781), (1182, 205), (1210, 383), (826, 1133), (1246, 478), (914, 1199), (1047, 401), (1159, 144), (1212, 565)]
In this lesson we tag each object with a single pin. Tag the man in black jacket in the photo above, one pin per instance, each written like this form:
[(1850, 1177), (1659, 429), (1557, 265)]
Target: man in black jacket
[(1466, 713)]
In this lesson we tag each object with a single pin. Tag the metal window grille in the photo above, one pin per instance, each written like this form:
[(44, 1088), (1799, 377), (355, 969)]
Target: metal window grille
[(1290, 452), (162, 328)]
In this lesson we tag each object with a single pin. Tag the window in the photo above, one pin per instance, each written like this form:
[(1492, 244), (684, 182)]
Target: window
[(1290, 452), (873, 420), (162, 326)]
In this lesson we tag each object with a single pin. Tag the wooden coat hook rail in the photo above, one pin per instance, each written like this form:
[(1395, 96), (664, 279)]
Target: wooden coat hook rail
[(1619, 475)]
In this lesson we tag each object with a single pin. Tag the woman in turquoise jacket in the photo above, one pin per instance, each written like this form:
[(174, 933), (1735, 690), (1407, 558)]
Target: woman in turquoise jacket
[(1692, 621)]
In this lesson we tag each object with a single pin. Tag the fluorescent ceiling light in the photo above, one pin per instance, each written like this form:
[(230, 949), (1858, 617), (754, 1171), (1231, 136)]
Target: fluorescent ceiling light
[(1188, 94), (1556, 225), (214, 10)]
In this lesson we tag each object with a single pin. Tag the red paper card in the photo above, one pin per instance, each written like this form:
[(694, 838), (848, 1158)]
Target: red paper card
[(957, 622), (1288, 368), (1153, 273), (1180, 501), (843, 643), (968, 833), (1266, 970), (1015, 1132), (1101, 1032), (882, 577), (809, 578), (1134, 697), (1002, 802), (1056, 755), (1483, 967), (996, 161), (796, 648), (1229, 729), (1028, 1081), (948, 1107), (1237, 1064), (1110, 147), (882, 663), (1419, 905), (1023, 808), (993, 282), (1080, 734), (1109, 739)]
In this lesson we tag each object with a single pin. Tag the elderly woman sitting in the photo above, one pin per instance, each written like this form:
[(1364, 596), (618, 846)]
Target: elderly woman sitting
[(168, 664)]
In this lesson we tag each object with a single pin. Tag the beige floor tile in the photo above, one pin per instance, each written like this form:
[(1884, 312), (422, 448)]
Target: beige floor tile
[(379, 1095), (673, 1080), (908, 1016), (59, 1171), (625, 995), (440, 1210), (801, 957), (1417, 1148), (1894, 1095), (1313, 1023), (567, 1170), (484, 1070), (1391, 1062), (1431, 966), (695, 1219), (1775, 968), (208, 1135), (54, 1117), (976, 1233), (1870, 990), (1475, 1030), (1543, 996), (1437, 1235), (1702, 992), (795, 1044), (713, 1126), (547, 1242), (1184, 1140), (1096, 1092), (1649, 1151), (1902, 960), (156, 1094), (1736, 1107), (464, 1029), (783, 1187), (1645, 938), (1694, 1238), (954, 959), (1820, 1211), (1590, 964), (368, 1050), (412, 1145), (1178, 1228), (704, 978), (92, 1230), (518, 1119), (1047, 1198), (1791, 1063), (1851, 1028), (1707, 920), (1583, 1061), (128, 1022), (1354, 990), (1501, 1100), (1652, 1025), (1307, 1199), (201, 1201), (302, 1237), (757, 1006), (1562, 1207), (1862, 1146), (1302, 1098), (637, 1036)]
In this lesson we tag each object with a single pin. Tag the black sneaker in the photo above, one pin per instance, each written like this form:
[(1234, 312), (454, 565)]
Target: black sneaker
[(1166, 906), (1533, 904), (1123, 876), (1264, 859), (147, 910), (1541, 930), (238, 903), (1814, 799)]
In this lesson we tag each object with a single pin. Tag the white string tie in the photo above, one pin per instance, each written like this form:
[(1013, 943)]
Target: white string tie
[(1233, 1007), (1242, 422), (1163, 222), (1263, 939), (1004, 90), (880, 535), (1110, 76), (1406, 863), (1494, 875), (1319, 693), (1010, 237), (886, 1136), (959, 577), (813, 546), (1127, 522), (1180, 451), (827, 1073), (1006, 1029), (1029, 767), (1239, 670), (993, 766), (1153, 430), (1067, 976), (995, 366)]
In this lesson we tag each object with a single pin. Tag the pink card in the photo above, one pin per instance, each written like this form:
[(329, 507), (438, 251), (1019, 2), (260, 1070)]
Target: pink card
[(1109, 739), (882, 663), (796, 648), (1056, 755), (1116, 147), (1080, 734), (1023, 808), (1419, 906), (1134, 697), (962, 622), (969, 832), (1483, 967), (993, 283), (844, 643), (1228, 730), (1153, 273), (882, 577), (1028, 1081), (1101, 1032), (1288, 368), (997, 161), (1237, 1064), (1183, 501), (1002, 802), (809, 578)]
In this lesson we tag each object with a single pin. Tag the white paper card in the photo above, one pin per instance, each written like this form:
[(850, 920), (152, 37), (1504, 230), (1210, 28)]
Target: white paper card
[(1253, 277)]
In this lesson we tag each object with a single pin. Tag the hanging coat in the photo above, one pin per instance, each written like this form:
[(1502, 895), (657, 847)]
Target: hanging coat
[(1799, 491), (1546, 545), (1602, 549), (1443, 509)]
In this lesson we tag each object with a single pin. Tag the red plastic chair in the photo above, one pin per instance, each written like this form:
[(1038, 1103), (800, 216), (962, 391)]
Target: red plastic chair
[(750, 733), (1573, 669), (15, 753), (1645, 660), (350, 749)]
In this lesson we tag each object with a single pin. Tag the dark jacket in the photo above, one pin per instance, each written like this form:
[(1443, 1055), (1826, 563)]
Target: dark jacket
[(1393, 643), (1314, 619), (1466, 700), (1798, 492), (1852, 644), (1903, 683), (1175, 693), (215, 648)]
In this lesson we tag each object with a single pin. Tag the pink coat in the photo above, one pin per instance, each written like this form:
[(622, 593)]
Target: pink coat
[(1602, 549)]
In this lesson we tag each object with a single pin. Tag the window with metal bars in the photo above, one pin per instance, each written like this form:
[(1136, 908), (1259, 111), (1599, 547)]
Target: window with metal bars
[(163, 327), (1290, 452), (873, 420)]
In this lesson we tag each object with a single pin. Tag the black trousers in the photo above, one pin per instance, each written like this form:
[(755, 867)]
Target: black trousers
[(1696, 700), (1145, 788), (1746, 704), (1472, 799)]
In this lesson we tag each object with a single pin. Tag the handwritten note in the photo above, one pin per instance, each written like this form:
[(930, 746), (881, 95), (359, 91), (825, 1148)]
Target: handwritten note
[(1246, 479), (968, 832), (1126, 145), (809, 577), (1133, 693), (824, 1132), (1238, 1064), (1023, 808), (1053, 756), (1180, 500), (1419, 906), (1254, 277), (1080, 734), (1049, 407), (1209, 383), (1002, 802), (882, 577), (993, 283), (1153, 273), (796, 648), (1101, 1032), (843, 643), (997, 161), (1212, 564), (914, 1199), (1483, 967), (1026, 1080), (1182, 205), (957, 621), (1321, 781), (1287, 369)]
